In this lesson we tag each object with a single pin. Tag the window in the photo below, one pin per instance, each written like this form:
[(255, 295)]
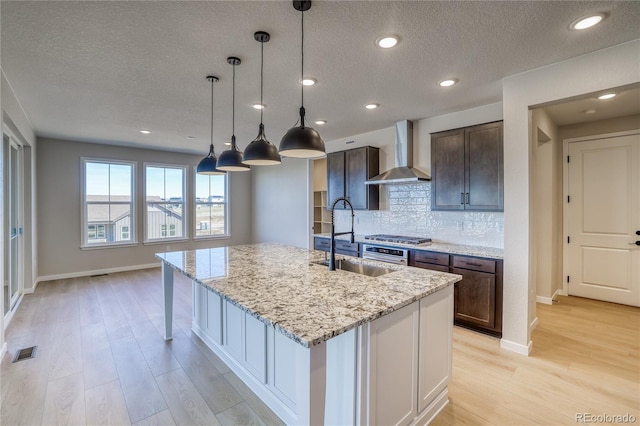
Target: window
[(211, 206), (125, 232), (107, 194), (165, 202)]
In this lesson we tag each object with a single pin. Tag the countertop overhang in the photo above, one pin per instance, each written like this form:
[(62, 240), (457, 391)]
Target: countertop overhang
[(281, 286)]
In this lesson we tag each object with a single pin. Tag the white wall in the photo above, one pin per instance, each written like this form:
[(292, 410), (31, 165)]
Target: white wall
[(282, 202), (59, 201), (604, 69), (546, 220)]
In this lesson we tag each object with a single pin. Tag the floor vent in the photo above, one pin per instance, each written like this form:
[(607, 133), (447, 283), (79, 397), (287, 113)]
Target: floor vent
[(25, 353), (98, 275)]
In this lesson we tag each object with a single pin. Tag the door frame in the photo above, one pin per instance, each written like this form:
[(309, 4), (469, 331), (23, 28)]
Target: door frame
[(565, 194), (6, 158)]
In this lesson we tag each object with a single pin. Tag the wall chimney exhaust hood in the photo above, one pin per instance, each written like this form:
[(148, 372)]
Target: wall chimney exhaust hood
[(403, 172)]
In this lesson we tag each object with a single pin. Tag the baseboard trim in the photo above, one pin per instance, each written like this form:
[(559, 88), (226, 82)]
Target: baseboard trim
[(97, 272), (550, 300), (32, 289), (433, 409), (534, 324), (544, 300), (516, 347)]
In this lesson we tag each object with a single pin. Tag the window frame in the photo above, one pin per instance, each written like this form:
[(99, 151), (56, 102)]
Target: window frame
[(185, 204), (227, 219), (84, 225)]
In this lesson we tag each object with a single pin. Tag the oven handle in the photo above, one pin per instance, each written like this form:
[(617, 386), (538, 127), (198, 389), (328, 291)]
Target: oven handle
[(385, 258)]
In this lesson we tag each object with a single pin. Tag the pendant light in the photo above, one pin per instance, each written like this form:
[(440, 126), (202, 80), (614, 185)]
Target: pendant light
[(260, 151), (302, 141), (207, 165), (231, 159)]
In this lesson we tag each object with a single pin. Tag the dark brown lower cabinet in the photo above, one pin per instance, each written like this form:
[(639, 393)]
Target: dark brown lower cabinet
[(478, 297), (342, 246), (474, 300)]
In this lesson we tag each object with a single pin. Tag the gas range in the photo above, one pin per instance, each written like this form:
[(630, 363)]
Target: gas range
[(386, 254), (397, 239)]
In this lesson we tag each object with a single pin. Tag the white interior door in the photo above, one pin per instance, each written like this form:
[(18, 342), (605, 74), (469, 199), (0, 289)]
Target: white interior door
[(603, 218)]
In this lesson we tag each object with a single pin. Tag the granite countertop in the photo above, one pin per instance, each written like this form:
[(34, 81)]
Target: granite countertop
[(440, 247), (279, 285)]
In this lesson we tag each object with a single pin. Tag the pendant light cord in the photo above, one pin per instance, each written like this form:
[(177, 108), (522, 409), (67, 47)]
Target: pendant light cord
[(302, 62), (212, 115), (233, 103), (261, 77)]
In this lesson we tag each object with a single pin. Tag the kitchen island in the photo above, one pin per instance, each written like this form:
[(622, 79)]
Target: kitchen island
[(319, 346)]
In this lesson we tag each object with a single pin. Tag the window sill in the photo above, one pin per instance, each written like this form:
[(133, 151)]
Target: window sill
[(107, 246), (166, 241), (212, 237)]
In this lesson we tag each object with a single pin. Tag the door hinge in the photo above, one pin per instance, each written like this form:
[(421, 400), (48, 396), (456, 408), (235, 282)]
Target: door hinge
[(568, 161), (568, 198), (568, 239), (568, 278)]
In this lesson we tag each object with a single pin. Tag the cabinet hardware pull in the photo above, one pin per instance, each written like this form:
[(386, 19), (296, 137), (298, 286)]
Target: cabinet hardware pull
[(462, 198), (473, 264), (467, 198), (637, 243)]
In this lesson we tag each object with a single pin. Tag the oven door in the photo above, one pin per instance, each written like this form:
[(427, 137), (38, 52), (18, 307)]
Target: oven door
[(385, 254)]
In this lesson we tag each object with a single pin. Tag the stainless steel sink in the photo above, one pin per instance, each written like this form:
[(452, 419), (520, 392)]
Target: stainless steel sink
[(358, 268)]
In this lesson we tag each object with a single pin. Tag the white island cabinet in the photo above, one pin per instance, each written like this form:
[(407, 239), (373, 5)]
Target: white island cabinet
[(321, 347)]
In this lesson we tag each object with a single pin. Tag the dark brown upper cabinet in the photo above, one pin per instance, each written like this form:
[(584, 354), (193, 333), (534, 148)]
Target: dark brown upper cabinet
[(467, 169), (347, 172)]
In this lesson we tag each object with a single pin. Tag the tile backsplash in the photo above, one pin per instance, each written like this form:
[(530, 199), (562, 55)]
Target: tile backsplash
[(406, 210)]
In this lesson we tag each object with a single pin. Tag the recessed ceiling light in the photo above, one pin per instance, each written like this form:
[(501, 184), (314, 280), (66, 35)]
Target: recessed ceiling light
[(228, 143), (371, 106), (259, 106), (589, 111), (309, 81), (387, 41), (321, 122), (191, 137), (587, 21), (606, 96), (448, 82), (146, 132)]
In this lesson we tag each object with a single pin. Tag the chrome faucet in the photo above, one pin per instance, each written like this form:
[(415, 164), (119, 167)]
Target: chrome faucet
[(332, 249)]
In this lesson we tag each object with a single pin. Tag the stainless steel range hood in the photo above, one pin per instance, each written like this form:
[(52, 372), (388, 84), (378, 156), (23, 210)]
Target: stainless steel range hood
[(403, 172)]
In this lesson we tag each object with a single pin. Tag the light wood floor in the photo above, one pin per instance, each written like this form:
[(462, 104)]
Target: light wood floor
[(101, 360)]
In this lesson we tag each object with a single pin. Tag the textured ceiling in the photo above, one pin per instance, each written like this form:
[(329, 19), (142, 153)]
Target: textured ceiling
[(101, 71)]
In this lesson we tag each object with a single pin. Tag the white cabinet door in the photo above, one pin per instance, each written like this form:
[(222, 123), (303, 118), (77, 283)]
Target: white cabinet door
[(255, 347), (436, 326), (233, 328), (393, 368), (214, 317)]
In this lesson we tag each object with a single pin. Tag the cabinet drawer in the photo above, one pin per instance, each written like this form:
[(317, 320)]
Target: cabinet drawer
[(475, 264), (343, 245), (431, 257), (322, 244), (431, 266)]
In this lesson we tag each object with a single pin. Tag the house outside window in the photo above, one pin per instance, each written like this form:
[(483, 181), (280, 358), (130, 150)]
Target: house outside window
[(108, 202), (211, 206), (165, 206)]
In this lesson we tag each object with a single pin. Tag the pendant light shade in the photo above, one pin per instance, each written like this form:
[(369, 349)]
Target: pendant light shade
[(207, 165), (302, 141), (231, 159), (260, 151)]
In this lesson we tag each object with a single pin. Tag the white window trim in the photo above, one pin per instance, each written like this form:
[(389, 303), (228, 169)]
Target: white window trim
[(227, 219), (84, 232), (185, 215)]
